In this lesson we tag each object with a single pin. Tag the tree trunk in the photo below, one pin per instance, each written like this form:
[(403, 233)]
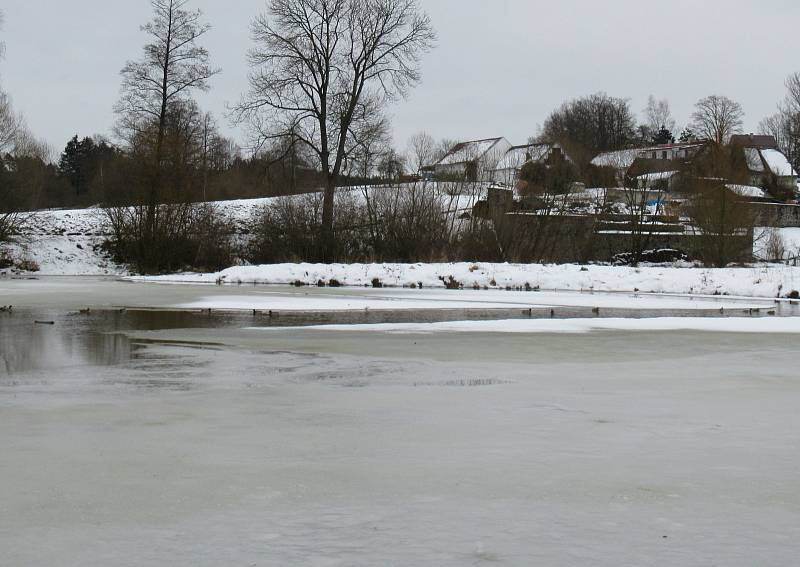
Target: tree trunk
[(327, 236)]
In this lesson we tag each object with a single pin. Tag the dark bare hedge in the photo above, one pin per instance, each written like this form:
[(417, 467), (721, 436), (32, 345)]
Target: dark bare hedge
[(375, 224), (170, 237)]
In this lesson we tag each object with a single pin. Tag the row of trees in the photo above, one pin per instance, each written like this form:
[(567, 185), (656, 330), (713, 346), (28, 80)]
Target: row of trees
[(322, 72), (600, 123)]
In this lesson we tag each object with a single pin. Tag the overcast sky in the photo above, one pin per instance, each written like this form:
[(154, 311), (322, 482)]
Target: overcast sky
[(500, 66)]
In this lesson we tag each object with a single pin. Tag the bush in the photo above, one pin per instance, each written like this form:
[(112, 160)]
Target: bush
[(661, 256), (413, 224), (289, 229), (169, 237), (451, 283)]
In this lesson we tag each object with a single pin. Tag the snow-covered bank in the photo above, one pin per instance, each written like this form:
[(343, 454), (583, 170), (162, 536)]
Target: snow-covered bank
[(772, 325), (68, 243), (767, 281), (64, 243), (331, 300), (54, 255)]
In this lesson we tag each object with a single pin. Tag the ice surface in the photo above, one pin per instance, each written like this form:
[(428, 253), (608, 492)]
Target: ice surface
[(336, 449), (398, 299)]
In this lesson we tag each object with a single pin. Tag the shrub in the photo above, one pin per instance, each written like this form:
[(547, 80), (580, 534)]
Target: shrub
[(171, 236), (451, 283)]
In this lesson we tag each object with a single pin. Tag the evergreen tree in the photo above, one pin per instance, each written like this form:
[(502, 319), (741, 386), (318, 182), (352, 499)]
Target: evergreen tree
[(687, 136), (663, 136), (82, 160), (75, 163)]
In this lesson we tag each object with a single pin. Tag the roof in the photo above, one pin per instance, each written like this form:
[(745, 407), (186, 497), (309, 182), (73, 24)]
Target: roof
[(753, 158), (518, 156), (755, 141), (747, 191), (778, 163), (673, 146), (621, 159), (465, 152), (658, 176)]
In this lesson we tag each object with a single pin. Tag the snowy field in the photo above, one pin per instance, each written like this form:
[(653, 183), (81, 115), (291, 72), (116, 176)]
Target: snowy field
[(309, 447)]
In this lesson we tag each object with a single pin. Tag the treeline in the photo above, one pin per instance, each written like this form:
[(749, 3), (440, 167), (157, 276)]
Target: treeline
[(92, 171)]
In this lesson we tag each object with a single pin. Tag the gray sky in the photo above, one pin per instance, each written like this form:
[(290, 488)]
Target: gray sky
[(500, 67)]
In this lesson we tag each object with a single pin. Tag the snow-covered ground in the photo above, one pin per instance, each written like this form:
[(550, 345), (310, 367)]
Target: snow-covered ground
[(782, 325), (767, 281), (65, 242)]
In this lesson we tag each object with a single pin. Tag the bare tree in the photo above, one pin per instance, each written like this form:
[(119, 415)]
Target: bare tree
[(784, 125), (163, 126), (717, 118), (659, 124), (589, 125), (658, 115), (322, 68), (421, 151), (11, 124), (173, 65)]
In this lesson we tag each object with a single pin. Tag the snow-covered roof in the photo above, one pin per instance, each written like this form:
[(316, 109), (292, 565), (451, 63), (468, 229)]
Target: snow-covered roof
[(517, 156), (468, 151), (778, 164), (754, 162), (660, 176), (621, 159), (748, 191)]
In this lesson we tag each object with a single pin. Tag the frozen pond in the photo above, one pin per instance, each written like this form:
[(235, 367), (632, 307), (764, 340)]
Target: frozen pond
[(140, 437)]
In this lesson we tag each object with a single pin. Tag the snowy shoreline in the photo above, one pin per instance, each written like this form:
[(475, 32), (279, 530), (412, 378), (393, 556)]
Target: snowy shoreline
[(782, 325), (757, 281)]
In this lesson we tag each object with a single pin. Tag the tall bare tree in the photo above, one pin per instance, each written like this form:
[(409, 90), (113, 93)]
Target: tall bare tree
[(421, 151), (161, 124), (173, 65), (784, 125), (658, 115), (589, 125), (11, 124), (323, 68), (717, 118)]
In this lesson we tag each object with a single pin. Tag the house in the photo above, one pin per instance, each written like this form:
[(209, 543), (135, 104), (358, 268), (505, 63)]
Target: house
[(766, 164), (639, 163), (508, 168), (472, 161)]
